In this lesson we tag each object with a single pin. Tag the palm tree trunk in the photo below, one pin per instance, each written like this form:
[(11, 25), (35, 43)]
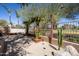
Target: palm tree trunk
[(10, 19), (27, 29), (18, 21)]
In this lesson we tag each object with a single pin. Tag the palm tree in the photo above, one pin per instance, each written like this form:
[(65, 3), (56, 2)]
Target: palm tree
[(8, 11), (17, 15)]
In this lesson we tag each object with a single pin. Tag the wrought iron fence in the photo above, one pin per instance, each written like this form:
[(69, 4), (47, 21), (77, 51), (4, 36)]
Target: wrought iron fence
[(70, 31)]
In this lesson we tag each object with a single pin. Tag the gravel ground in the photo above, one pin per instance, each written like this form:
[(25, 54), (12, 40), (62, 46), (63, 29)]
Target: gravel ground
[(15, 44), (20, 45)]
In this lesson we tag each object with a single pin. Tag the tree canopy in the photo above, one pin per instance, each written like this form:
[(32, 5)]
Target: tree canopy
[(3, 22)]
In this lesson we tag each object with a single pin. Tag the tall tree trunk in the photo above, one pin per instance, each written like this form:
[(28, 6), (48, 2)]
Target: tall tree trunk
[(53, 23), (37, 35), (27, 29), (18, 21), (10, 20)]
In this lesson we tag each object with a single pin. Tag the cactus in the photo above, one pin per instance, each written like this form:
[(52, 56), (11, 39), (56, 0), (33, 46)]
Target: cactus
[(59, 38)]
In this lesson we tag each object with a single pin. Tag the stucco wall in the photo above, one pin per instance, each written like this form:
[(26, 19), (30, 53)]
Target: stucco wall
[(17, 30)]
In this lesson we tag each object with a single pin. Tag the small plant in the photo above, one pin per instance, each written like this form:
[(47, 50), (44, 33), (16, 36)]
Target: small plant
[(59, 38), (38, 33)]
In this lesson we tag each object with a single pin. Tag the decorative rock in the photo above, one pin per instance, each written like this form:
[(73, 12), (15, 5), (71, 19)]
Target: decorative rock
[(62, 53), (15, 45), (3, 46), (72, 50)]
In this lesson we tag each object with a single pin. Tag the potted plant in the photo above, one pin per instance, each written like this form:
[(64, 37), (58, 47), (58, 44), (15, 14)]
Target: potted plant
[(38, 37)]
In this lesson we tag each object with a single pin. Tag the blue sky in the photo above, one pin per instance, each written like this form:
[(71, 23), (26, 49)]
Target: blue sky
[(5, 16), (63, 21)]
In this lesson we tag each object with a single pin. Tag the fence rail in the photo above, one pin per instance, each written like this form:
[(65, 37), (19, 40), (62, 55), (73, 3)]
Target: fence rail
[(70, 31)]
